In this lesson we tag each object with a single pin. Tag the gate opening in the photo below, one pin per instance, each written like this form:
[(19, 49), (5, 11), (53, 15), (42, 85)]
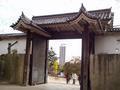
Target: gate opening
[(64, 61)]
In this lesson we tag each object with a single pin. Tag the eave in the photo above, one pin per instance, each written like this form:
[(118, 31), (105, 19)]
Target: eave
[(24, 24), (77, 22)]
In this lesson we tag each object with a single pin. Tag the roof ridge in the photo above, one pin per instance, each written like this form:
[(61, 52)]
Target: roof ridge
[(55, 15), (61, 14)]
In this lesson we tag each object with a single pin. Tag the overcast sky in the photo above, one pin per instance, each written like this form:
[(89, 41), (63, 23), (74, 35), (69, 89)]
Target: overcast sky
[(10, 10)]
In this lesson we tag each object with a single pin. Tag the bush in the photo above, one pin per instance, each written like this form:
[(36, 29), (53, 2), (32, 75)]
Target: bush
[(72, 66)]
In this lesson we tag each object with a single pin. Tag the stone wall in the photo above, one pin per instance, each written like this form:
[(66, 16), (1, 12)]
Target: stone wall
[(105, 72), (11, 68)]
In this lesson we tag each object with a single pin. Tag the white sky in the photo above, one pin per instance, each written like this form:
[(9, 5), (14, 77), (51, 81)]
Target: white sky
[(10, 10), (73, 47)]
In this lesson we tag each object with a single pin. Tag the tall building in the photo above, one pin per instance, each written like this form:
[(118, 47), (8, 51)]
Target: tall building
[(62, 55)]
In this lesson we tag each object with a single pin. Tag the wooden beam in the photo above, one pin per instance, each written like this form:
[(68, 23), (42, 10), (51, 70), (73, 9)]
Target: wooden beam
[(85, 63), (36, 30), (27, 60), (31, 27), (66, 35)]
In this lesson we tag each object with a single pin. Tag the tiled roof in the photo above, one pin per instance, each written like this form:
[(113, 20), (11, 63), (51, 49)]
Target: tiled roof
[(27, 21), (70, 21), (53, 18), (12, 35), (103, 14)]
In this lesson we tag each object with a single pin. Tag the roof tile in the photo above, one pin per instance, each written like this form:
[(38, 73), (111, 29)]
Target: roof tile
[(103, 14)]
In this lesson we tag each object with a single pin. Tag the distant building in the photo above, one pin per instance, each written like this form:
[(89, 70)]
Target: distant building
[(62, 55)]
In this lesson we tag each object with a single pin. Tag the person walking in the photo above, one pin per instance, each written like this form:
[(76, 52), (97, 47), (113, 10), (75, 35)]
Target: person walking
[(68, 77), (74, 77)]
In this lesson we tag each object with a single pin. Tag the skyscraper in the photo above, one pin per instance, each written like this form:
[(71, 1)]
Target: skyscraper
[(62, 55)]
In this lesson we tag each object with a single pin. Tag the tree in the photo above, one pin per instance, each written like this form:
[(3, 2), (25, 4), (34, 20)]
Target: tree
[(55, 66), (52, 61), (73, 66), (51, 55), (67, 68)]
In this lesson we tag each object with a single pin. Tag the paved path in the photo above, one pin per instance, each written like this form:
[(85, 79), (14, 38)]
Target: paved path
[(41, 87), (60, 80), (53, 84)]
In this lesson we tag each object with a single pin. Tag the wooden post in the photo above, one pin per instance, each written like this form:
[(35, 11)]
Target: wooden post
[(85, 63), (27, 60), (46, 62), (92, 43)]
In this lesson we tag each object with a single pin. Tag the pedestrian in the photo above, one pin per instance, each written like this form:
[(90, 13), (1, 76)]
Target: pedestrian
[(68, 77), (74, 77)]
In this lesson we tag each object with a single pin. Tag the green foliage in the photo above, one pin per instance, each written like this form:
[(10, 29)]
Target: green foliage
[(72, 66), (55, 66), (51, 55), (67, 68), (61, 69), (52, 62)]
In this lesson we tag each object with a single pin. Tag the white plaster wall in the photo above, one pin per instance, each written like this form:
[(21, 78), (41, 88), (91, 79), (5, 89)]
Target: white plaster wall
[(107, 44), (20, 46)]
